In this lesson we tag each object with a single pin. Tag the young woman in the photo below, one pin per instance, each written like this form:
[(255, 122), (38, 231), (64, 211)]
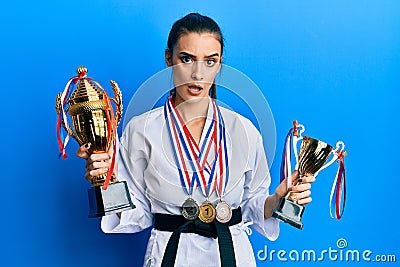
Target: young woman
[(196, 171)]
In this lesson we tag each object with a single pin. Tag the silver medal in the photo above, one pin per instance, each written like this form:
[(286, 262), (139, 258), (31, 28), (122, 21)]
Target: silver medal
[(190, 209), (224, 212)]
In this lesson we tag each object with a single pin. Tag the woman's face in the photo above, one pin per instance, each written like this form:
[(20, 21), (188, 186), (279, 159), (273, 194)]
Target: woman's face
[(196, 61)]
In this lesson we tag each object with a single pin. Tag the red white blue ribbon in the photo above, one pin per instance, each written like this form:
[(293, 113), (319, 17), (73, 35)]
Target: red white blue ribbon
[(62, 116), (193, 166), (337, 200), (223, 175), (286, 167)]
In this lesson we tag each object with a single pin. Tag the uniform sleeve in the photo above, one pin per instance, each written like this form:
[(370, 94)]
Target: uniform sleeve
[(256, 190), (132, 161)]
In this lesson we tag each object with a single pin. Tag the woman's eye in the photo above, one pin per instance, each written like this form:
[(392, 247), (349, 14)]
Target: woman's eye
[(186, 59), (210, 62)]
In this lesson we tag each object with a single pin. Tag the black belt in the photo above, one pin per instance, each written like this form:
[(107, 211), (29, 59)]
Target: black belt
[(177, 224)]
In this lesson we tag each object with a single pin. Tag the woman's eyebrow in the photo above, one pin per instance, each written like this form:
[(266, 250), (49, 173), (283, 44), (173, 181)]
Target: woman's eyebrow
[(187, 54), (213, 55), (194, 57)]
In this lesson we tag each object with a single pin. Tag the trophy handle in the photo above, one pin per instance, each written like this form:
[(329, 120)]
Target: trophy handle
[(117, 100), (296, 139), (59, 109), (58, 103), (339, 148)]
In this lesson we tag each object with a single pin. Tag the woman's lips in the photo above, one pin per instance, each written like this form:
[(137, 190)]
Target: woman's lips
[(195, 89)]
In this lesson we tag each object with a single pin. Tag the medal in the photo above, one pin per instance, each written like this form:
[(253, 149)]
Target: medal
[(207, 212), (190, 209), (224, 212)]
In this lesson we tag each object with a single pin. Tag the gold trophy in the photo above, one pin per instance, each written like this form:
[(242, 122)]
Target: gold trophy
[(93, 121), (312, 158)]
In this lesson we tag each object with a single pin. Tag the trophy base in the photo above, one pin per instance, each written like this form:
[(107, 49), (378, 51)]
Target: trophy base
[(289, 212), (113, 200)]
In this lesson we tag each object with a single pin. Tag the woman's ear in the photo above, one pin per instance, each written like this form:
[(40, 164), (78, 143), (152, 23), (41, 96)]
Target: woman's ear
[(168, 57)]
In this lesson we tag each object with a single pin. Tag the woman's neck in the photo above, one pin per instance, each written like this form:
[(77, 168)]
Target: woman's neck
[(193, 110)]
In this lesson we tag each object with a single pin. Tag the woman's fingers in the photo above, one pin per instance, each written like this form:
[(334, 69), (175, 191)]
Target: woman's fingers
[(301, 194), (97, 172), (304, 201), (95, 169), (89, 175), (307, 179), (101, 157), (301, 187), (97, 164), (102, 166), (83, 151)]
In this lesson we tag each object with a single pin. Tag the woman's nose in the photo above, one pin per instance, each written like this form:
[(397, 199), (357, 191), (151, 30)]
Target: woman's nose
[(198, 71)]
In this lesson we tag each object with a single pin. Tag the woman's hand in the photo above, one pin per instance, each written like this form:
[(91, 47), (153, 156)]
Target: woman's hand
[(96, 163), (300, 192)]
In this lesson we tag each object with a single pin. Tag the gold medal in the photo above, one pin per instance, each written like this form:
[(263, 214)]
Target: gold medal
[(224, 212), (207, 212)]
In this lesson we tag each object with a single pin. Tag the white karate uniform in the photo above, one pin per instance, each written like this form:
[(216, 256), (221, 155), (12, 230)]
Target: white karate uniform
[(146, 161)]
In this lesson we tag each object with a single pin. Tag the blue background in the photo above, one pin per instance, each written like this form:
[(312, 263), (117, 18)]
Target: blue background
[(332, 65)]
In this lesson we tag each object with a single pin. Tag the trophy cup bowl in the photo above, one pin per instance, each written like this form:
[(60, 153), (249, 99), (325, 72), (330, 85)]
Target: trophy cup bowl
[(92, 116), (312, 157)]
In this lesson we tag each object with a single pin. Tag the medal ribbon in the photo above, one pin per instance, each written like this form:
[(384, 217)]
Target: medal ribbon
[(202, 157), (184, 140), (338, 191), (186, 181), (223, 157), (286, 169), (184, 143), (62, 116)]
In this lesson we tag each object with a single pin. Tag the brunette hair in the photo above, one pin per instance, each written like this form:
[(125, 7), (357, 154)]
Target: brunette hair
[(197, 23)]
